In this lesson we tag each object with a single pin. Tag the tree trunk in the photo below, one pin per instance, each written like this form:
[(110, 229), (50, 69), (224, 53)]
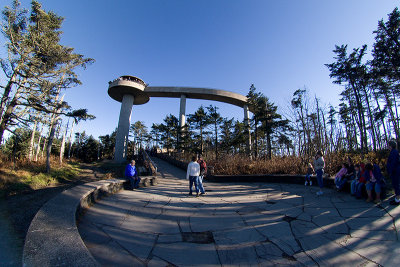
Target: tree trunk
[(38, 144), (201, 140), (6, 93), (43, 148), (392, 116), (372, 123), (62, 149), (216, 140), (397, 129), (49, 145), (30, 155), (8, 113), (70, 139), (255, 138), (53, 125)]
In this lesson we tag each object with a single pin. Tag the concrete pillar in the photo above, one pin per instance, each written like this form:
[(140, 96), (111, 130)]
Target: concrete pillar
[(182, 118), (182, 111), (247, 125), (121, 140)]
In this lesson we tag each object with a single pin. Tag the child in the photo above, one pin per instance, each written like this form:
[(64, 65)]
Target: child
[(355, 182), (310, 171), (350, 175), (340, 180), (361, 181), (319, 165)]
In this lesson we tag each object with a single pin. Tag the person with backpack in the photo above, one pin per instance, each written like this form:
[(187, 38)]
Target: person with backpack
[(203, 172), (393, 169)]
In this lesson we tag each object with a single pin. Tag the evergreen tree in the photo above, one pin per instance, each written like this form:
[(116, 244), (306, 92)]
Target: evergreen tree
[(215, 120), (37, 66), (199, 120)]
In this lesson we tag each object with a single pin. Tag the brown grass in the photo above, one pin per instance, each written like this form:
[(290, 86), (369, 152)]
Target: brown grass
[(23, 175), (241, 164)]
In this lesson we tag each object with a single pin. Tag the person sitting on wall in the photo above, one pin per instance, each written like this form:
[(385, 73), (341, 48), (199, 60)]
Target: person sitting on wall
[(375, 181), (132, 175)]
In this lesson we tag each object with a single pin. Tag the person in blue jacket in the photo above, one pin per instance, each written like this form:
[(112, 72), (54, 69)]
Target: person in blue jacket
[(393, 169), (132, 175)]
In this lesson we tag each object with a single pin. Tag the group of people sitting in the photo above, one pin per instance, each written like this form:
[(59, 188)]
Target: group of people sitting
[(361, 176), (368, 176)]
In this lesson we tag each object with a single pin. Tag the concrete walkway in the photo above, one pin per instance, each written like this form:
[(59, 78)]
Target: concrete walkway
[(239, 224)]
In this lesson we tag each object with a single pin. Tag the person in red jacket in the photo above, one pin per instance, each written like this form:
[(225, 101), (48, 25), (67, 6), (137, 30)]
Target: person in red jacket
[(203, 172)]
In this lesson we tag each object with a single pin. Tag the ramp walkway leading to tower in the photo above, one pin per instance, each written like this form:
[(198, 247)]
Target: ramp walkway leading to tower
[(239, 224)]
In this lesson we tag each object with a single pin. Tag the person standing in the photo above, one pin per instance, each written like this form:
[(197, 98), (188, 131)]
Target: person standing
[(394, 171), (132, 175), (192, 174), (319, 165), (203, 172)]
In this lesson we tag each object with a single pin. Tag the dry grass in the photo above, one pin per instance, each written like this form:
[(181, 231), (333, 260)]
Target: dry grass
[(20, 176), (237, 164), (241, 164)]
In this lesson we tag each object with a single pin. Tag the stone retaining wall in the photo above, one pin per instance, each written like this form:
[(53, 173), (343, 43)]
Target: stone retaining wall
[(53, 238)]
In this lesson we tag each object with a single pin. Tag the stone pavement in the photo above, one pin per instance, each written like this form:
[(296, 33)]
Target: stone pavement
[(239, 224)]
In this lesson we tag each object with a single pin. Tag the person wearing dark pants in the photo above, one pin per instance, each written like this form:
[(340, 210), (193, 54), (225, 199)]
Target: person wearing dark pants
[(203, 172), (319, 165), (393, 169), (132, 175), (192, 174)]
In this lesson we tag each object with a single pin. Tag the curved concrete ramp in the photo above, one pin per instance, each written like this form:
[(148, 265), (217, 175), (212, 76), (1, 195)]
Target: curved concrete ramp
[(197, 93)]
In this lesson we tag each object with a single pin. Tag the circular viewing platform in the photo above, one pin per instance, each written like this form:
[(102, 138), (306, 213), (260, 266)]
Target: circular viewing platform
[(136, 87), (128, 85)]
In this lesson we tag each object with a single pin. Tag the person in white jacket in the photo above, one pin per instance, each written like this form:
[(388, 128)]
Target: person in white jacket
[(192, 174), (319, 165)]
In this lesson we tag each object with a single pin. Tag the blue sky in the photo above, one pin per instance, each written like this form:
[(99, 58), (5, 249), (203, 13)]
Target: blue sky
[(279, 46)]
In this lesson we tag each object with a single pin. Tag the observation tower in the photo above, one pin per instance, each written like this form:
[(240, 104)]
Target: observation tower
[(131, 90)]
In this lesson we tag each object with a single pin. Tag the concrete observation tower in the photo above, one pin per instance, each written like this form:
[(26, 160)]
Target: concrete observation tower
[(130, 90)]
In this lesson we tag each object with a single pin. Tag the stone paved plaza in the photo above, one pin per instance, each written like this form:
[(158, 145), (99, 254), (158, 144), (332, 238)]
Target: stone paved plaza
[(239, 224)]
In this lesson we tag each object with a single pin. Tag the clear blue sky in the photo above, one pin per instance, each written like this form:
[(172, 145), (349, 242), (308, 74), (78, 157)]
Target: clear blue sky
[(279, 46)]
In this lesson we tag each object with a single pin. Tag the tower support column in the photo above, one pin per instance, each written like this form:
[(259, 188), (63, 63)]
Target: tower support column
[(182, 120), (182, 111), (247, 125), (121, 140)]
